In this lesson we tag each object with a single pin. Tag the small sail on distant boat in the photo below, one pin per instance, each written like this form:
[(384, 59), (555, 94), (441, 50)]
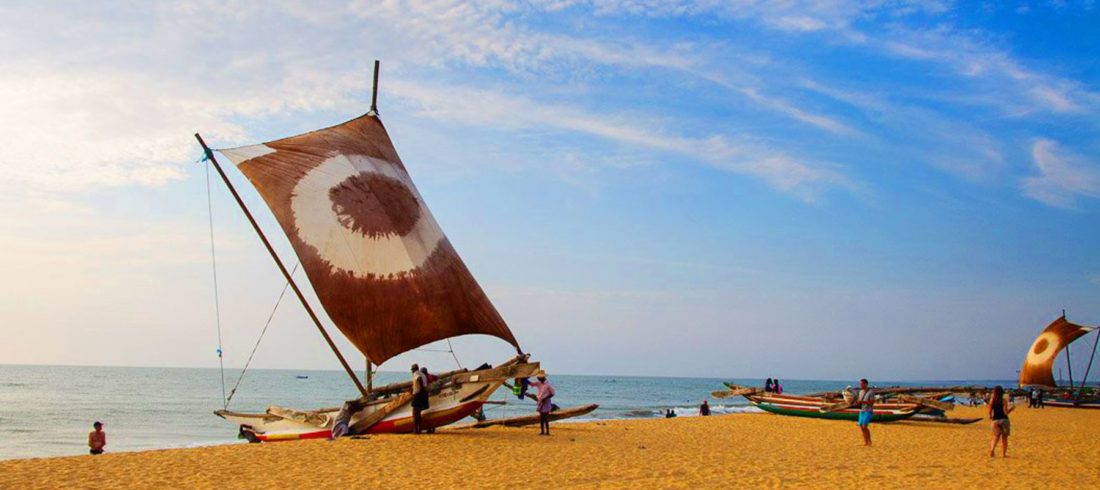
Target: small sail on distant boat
[(381, 267), (1037, 371)]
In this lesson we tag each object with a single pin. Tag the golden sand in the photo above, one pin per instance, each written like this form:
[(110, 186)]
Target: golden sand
[(1048, 448)]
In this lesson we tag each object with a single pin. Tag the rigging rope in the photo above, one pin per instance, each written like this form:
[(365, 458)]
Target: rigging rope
[(214, 267), (270, 316)]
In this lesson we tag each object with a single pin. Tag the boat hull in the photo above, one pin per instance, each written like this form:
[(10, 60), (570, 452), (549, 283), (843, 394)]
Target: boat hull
[(449, 405), (1089, 404), (801, 406)]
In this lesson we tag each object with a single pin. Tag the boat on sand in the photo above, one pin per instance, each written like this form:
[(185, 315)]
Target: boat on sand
[(382, 270)]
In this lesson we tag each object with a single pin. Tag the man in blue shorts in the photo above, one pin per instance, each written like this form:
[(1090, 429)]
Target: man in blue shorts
[(866, 402)]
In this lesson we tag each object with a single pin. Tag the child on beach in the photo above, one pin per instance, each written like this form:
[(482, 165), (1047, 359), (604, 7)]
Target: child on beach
[(998, 412), (97, 439)]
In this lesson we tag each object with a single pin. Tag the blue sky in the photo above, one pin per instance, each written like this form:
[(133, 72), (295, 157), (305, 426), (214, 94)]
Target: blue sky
[(895, 190)]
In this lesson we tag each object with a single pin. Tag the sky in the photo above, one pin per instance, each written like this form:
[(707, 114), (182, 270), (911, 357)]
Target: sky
[(798, 189)]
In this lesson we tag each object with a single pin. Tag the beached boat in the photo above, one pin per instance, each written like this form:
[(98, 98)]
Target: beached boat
[(1091, 404), (1038, 368), (820, 408), (381, 267)]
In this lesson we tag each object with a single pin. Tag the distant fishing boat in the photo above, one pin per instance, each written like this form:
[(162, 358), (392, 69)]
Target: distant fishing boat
[(381, 268), (1038, 368), (301, 377)]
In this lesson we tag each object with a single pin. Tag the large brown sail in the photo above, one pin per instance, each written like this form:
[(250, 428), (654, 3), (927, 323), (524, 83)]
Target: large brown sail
[(382, 268), (1037, 369)]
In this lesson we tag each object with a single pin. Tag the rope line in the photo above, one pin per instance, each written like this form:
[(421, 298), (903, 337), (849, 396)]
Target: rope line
[(270, 316), (214, 268)]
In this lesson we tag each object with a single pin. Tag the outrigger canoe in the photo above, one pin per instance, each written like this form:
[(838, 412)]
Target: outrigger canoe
[(1093, 404), (813, 407)]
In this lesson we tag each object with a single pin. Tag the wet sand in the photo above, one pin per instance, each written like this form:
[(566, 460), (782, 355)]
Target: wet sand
[(1048, 448)]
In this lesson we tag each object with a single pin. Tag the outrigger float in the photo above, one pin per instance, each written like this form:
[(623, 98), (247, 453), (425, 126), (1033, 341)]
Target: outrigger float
[(382, 269)]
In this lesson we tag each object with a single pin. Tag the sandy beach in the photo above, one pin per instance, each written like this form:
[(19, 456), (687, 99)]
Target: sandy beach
[(1051, 447)]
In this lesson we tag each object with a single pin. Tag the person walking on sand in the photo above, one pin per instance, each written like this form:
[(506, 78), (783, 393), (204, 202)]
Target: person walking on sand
[(544, 394), (97, 439), (420, 397), (704, 409), (866, 402), (998, 412)]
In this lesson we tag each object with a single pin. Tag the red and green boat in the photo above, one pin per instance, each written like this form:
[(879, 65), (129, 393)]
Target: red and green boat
[(819, 408)]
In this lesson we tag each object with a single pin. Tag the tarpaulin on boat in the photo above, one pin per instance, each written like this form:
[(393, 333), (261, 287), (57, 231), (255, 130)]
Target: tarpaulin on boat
[(381, 266), (1037, 370)]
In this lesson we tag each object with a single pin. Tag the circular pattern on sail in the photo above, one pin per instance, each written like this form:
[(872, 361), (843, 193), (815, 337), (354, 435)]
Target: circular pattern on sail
[(364, 217), (1044, 348)]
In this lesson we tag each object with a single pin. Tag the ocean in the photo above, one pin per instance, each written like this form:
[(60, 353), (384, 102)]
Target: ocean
[(48, 410)]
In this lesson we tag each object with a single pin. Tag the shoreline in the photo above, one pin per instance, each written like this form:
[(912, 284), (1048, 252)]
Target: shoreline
[(1053, 445)]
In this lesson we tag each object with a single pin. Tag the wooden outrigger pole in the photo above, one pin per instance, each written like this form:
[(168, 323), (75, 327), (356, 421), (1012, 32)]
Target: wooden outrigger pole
[(279, 262)]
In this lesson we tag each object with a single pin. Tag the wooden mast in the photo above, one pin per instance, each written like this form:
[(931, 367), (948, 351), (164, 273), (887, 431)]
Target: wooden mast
[(279, 263), (1088, 368), (374, 91)]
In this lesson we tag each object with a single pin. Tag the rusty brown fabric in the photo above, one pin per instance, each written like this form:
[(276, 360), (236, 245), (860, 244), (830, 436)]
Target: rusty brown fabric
[(1037, 370), (382, 268)]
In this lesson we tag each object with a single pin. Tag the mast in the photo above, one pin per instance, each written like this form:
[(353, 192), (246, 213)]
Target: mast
[(1089, 367), (282, 268), (1069, 368), (374, 91), (370, 377)]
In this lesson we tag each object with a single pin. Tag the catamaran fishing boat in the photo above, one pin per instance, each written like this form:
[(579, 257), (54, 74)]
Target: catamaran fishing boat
[(382, 270), (815, 406), (1037, 371)]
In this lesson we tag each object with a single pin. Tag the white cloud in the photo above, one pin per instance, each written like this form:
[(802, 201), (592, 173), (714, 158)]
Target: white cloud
[(493, 109), (1063, 177)]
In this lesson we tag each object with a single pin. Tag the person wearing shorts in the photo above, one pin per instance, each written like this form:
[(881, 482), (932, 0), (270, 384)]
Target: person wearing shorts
[(998, 412), (866, 402)]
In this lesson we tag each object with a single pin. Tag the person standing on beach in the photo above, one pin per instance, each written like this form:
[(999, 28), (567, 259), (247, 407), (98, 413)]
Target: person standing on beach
[(704, 409), (544, 394), (97, 439), (866, 402), (998, 412), (420, 397)]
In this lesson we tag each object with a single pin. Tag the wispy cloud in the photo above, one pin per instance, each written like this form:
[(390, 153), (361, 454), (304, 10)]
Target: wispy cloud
[(494, 109), (1063, 177)]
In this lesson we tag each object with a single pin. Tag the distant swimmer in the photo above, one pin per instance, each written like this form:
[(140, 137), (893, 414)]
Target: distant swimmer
[(544, 396), (704, 409), (866, 402), (998, 412), (97, 439)]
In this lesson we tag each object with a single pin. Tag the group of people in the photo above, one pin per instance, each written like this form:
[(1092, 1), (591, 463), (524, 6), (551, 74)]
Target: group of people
[(421, 393), (771, 386), (1035, 399)]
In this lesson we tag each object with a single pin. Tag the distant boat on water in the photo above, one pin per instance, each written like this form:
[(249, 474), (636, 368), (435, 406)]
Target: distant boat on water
[(301, 377)]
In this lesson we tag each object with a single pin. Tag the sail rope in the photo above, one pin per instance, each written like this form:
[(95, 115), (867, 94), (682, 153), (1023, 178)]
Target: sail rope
[(214, 267), (252, 354)]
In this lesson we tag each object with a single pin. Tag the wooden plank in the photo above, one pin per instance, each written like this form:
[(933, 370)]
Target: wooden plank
[(364, 424), (525, 420), (741, 391), (927, 402)]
